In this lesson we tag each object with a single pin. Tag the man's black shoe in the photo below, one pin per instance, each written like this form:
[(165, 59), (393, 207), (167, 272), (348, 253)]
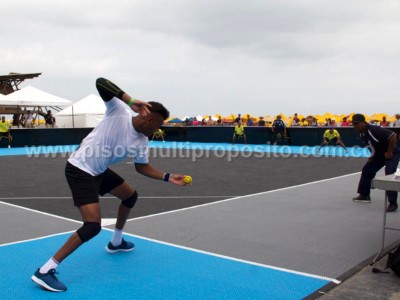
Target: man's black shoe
[(391, 207), (361, 198)]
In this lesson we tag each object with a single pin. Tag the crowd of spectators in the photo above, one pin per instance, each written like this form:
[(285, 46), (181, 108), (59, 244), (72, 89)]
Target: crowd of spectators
[(30, 119), (294, 121)]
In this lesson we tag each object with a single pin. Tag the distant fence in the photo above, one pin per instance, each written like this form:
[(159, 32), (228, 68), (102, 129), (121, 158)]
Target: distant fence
[(297, 136), (46, 137)]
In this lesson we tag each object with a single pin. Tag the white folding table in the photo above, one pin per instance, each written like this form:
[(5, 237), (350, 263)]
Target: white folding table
[(386, 183)]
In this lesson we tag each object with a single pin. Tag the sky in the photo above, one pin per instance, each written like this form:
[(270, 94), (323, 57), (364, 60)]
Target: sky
[(257, 57)]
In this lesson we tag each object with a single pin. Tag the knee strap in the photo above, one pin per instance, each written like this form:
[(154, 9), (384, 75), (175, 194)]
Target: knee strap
[(130, 202), (88, 231)]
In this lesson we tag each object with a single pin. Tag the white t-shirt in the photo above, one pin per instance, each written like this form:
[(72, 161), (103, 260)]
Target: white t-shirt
[(396, 123), (111, 141), (28, 118)]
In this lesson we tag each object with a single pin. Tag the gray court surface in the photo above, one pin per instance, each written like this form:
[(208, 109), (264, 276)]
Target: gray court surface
[(313, 228), (19, 224), (290, 213)]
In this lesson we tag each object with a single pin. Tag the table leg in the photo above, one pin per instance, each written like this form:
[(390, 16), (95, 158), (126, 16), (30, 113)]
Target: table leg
[(383, 231)]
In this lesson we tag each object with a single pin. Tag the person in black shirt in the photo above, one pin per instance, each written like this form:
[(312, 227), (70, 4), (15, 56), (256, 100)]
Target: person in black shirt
[(384, 152), (261, 122), (238, 119), (278, 130), (50, 120)]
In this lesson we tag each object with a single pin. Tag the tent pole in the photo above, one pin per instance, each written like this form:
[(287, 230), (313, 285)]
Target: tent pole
[(18, 117), (73, 121)]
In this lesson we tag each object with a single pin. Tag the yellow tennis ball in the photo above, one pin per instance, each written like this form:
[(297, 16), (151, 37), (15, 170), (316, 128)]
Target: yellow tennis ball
[(187, 180)]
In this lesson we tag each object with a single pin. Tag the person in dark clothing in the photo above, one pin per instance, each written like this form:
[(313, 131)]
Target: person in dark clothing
[(238, 119), (49, 119), (278, 130), (261, 122), (384, 152)]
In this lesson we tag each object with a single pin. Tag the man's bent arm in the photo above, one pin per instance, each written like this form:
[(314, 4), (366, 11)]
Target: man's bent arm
[(108, 90), (149, 171)]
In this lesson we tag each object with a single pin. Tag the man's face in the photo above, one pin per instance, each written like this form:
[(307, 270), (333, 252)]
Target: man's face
[(153, 123), (359, 126)]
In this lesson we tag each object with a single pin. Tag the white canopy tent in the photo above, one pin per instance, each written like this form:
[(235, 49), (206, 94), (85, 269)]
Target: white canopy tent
[(31, 97), (87, 112), (2, 109)]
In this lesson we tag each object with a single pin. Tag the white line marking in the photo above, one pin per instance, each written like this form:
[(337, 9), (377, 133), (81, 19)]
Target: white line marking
[(36, 239), (40, 212), (48, 236), (235, 259), (197, 250), (188, 249), (108, 221), (244, 196), (142, 197), (181, 209)]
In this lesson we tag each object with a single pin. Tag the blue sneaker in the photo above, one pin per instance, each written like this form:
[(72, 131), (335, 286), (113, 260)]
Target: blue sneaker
[(124, 246), (49, 281)]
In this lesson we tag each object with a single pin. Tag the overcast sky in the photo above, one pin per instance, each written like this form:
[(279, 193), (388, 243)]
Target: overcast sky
[(205, 57)]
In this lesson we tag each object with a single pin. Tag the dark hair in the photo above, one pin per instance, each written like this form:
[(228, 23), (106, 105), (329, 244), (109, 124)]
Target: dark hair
[(358, 118), (159, 108)]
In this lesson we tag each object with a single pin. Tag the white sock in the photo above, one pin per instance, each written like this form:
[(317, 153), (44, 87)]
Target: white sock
[(51, 264), (117, 237)]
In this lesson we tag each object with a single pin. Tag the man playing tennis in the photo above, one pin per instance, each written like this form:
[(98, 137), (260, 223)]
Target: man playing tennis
[(118, 136)]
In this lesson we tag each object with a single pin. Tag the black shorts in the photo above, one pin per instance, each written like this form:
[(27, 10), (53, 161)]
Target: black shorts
[(332, 141), (86, 188), (5, 134)]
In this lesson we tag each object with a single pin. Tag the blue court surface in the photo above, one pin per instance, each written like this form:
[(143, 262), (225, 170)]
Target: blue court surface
[(286, 235), (152, 271), (302, 151)]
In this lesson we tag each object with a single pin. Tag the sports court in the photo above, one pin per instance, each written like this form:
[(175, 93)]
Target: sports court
[(258, 223)]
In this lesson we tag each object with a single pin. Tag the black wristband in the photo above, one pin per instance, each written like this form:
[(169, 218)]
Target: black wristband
[(166, 177)]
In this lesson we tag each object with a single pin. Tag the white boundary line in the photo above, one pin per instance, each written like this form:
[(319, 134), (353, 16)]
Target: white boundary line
[(245, 196), (36, 239), (192, 250), (109, 197), (181, 209), (235, 259), (46, 236), (40, 212), (197, 250)]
